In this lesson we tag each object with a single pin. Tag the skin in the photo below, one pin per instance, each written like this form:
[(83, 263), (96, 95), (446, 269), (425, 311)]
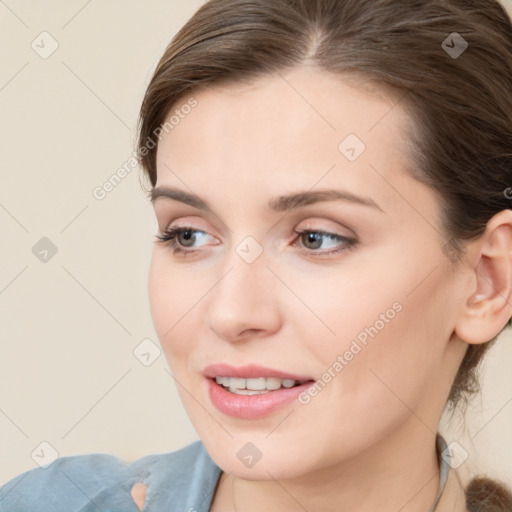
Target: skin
[(138, 494), (367, 441)]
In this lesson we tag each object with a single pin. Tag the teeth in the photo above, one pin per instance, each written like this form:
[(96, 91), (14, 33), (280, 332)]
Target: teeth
[(224, 381), (246, 391), (273, 383), (258, 384), (254, 386), (236, 383)]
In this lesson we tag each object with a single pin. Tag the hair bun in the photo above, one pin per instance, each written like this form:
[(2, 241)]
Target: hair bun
[(487, 495)]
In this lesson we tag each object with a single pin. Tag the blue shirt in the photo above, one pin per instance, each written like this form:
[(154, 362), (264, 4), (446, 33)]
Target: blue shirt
[(183, 480)]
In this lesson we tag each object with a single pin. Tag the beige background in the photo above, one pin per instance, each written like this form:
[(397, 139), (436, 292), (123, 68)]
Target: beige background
[(69, 326)]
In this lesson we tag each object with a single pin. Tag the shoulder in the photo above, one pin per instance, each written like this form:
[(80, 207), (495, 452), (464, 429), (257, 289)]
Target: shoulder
[(70, 479), (83, 483), (184, 479)]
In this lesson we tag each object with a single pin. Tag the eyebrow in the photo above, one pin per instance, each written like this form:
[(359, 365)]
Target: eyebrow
[(278, 204)]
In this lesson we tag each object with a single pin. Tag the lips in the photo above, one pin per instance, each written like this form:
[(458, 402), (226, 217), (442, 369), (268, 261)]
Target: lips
[(247, 404), (250, 372)]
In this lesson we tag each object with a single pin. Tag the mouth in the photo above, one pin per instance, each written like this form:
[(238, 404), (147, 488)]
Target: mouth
[(252, 392)]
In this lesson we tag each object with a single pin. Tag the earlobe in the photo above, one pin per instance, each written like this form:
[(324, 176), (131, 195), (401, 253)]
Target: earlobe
[(489, 307)]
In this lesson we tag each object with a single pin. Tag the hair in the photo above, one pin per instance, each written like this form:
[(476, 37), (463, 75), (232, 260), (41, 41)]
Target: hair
[(460, 105)]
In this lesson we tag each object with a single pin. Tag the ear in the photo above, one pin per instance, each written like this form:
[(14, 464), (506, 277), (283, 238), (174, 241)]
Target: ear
[(489, 307)]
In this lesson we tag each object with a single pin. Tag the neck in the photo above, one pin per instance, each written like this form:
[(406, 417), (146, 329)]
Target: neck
[(400, 473)]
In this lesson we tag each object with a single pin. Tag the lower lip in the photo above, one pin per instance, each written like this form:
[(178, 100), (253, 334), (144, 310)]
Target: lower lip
[(252, 406)]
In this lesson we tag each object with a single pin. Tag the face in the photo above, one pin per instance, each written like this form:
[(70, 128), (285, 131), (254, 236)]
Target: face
[(353, 299)]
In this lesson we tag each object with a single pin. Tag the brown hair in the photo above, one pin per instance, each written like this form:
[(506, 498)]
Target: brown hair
[(461, 104)]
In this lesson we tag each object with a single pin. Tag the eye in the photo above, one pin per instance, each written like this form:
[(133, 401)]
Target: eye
[(178, 237), (314, 239)]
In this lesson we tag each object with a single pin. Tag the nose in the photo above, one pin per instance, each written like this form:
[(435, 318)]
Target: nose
[(244, 302)]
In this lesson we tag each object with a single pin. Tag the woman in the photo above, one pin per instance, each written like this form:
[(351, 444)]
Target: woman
[(332, 262)]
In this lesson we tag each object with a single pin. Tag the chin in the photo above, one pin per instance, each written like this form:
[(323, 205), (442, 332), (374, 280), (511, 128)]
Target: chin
[(258, 459)]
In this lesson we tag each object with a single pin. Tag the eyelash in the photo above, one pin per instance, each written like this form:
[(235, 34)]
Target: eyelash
[(170, 235)]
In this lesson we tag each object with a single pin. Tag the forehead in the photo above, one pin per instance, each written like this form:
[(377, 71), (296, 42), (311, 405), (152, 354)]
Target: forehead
[(291, 129)]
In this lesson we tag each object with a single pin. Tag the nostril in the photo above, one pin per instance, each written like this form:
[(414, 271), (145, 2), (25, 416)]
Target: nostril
[(138, 493)]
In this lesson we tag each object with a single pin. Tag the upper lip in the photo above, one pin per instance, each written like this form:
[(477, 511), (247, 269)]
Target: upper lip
[(248, 372)]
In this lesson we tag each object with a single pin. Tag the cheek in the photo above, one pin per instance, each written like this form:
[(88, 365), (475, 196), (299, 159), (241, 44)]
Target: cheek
[(387, 351), (160, 294), (386, 312), (172, 296), (389, 342)]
